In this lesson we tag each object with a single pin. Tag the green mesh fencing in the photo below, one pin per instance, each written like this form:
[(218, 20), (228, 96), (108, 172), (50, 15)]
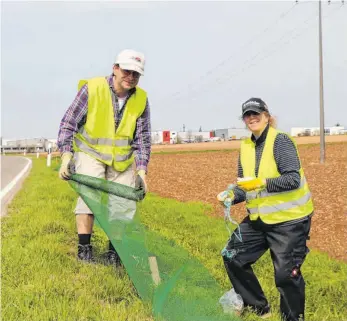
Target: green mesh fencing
[(177, 285)]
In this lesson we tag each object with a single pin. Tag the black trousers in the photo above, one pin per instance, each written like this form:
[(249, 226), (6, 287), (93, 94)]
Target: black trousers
[(287, 244)]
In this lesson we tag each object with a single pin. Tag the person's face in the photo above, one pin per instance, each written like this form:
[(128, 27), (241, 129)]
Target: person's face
[(255, 122), (126, 79)]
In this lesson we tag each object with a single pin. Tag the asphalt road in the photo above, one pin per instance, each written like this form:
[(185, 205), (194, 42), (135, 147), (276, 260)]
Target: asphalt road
[(11, 166)]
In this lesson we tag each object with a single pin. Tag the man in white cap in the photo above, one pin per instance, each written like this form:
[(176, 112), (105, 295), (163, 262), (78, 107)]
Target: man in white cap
[(105, 130)]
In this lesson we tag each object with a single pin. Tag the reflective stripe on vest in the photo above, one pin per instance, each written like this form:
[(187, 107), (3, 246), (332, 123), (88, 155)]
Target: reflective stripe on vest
[(92, 152), (105, 141), (280, 207), (102, 156)]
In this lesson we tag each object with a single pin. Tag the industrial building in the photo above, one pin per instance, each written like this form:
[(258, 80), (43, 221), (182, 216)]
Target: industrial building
[(42, 144), (162, 137), (31, 145), (174, 137), (315, 131), (232, 133), (194, 137)]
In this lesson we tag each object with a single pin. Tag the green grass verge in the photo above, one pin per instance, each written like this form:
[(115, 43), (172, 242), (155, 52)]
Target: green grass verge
[(41, 279)]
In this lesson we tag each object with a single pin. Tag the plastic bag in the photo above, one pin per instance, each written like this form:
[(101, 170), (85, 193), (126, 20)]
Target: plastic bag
[(231, 302)]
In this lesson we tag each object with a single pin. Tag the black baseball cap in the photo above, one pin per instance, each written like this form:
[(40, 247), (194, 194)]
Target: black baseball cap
[(254, 104)]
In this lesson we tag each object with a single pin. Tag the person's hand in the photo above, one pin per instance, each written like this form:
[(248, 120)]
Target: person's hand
[(64, 172), (140, 182), (225, 197), (251, 184)]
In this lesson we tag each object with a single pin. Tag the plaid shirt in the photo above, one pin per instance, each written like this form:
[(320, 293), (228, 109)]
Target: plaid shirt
[(76, 116)]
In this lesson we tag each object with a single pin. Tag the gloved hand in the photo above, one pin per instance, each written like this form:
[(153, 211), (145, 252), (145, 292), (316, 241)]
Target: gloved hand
[(225, 196), (64, 172), (251, 184), (140, 181)]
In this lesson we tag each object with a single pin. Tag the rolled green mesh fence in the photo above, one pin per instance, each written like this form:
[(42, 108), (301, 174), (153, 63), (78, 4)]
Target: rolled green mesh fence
[(178, 287)]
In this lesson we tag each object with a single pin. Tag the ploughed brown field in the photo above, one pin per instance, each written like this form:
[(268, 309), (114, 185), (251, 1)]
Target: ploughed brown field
[(202, 175)]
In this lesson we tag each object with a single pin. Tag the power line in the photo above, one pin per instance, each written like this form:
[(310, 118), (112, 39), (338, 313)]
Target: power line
[(277, 41), (221, 81), (252, 40), (302, 31), (278, 48), (256, 37)]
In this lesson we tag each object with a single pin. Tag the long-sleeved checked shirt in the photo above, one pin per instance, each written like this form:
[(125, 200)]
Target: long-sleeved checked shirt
[(288, 165), (76, 116)]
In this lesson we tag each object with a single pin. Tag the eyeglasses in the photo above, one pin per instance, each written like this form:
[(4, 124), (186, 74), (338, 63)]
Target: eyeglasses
[(250, 113), (127, 72)]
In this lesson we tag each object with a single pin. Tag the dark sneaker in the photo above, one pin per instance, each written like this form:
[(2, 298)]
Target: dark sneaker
[(262, 312), (265, 313), (112, 258), (85, 252)]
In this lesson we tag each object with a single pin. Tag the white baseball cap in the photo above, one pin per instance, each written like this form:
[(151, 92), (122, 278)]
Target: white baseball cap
[(131, 60)]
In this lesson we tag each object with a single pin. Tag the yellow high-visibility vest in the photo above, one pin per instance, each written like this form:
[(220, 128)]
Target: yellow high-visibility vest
[(273, 208), (98, 137)]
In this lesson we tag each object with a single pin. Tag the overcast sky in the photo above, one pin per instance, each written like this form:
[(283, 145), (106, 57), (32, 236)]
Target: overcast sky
[(203, 59)]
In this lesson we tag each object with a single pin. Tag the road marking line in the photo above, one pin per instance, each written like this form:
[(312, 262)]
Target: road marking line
[(13, 183)]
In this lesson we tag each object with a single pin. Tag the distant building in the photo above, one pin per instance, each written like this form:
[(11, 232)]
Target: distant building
[(158, 137), (30, 145), (194, 137), (174, 137), (232, 133), (315, 131)]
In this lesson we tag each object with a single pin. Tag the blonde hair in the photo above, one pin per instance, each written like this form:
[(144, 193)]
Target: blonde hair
[(272, 119)]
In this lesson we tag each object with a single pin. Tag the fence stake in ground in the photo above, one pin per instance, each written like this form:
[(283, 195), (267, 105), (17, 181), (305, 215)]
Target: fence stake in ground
[(154, 269), (49, 156)]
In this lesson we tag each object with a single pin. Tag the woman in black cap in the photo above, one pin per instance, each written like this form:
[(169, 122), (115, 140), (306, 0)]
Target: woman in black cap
[(279, 206)]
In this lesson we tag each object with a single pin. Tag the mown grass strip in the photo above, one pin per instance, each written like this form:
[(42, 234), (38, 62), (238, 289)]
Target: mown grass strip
[(41, 279)]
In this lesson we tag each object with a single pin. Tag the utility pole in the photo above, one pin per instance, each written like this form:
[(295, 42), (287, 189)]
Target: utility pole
[(321, 88)]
